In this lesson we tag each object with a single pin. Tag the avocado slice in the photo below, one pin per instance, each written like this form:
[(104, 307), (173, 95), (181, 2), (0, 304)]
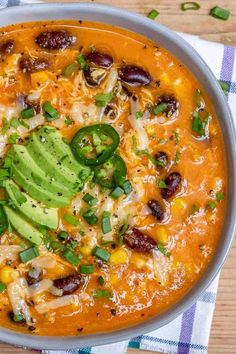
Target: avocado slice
[(54, 143), (32, 209), (27, 166), (24, 228), (35, 191), (40, 152)]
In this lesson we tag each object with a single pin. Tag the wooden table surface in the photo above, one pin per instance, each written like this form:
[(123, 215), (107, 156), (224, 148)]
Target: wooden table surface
[(223, 333)]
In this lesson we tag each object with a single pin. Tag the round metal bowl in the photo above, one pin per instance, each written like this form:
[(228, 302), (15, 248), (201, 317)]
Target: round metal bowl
[(189, 57)]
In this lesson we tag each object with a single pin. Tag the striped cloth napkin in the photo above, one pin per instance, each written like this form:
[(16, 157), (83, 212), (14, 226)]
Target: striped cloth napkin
[(188, 333)]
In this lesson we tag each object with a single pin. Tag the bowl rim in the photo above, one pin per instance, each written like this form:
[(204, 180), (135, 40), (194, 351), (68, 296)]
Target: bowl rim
[(187, 55)]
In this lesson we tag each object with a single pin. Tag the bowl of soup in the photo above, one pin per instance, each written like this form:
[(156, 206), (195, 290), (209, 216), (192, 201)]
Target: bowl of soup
[(117, 175)]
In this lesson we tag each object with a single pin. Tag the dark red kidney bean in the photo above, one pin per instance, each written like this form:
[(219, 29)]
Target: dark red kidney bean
[(7, 47), (162, 158), (111, 110), (31, 65), (134, 75), (11, 316), (56, 40), (101, 60), (157, 209), (171, 102), (172, 185), (34, 275), (69, 284), (91, 79), (138, 241)]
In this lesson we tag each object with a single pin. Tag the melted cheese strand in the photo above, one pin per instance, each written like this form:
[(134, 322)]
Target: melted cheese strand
[(137, 125), (112, 78)]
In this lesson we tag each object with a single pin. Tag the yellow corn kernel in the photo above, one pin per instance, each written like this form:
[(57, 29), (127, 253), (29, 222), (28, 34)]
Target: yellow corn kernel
[(114, 279), (86, 250), (6, 274), (39, 78), (162, 235), (178, 206), (138, 261), (165, 79), (118, 257), (151, 130)]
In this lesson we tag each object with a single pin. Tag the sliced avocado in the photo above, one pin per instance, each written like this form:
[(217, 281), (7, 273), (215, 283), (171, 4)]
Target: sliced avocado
[(54, 167), (32, 209), (27, 166), (22, 226), (35, 191), (53, 141)]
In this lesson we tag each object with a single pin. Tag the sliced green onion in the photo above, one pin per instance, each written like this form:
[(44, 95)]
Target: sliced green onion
[(211, 205), (13, 138), (2, 287), (106, 222), (57, 246), (199, 125), (102, 99), (101, 280), (190, 5), (28, 254), (163, 250), (161, 183), (219, 196), (71, 219), (63, 235), (162, 107), (86, 268), (5, 126), (122, 231), (4, 174), (70, 69), (90, 217), (102, 293), (27, 113), (50, 112), (153, 14), (220, 13), (176, 134), (149, 156), (14, 123), (23, 124), (18, 318), (127, 186), (116, 193), (101, 253), (89, 199), (138, 115), (82, 62), (225, 87), (84, 174), (177, 156), (68, 121), (71, 257), (7, 162)]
